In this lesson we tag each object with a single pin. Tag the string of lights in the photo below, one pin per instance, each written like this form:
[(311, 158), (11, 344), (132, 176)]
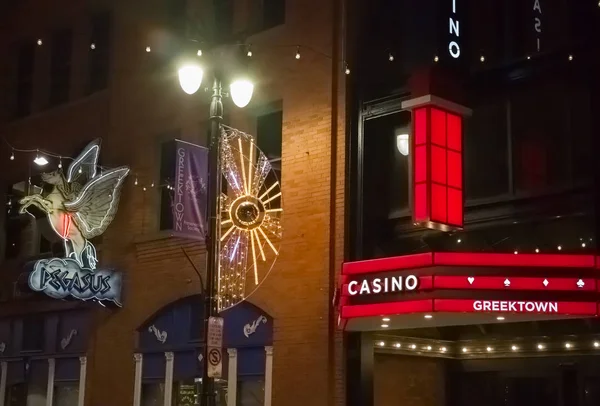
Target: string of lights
[(41, 160), (530, 346)]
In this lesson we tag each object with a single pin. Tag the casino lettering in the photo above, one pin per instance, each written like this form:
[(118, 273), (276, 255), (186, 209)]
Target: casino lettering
[(383, 285)]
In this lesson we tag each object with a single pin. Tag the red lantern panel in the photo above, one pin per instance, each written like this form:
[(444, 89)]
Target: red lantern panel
[(437, 168)]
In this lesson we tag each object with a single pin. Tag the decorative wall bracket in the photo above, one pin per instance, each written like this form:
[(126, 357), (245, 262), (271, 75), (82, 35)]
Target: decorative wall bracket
[(250, 328), (66, 341), (161, 336)]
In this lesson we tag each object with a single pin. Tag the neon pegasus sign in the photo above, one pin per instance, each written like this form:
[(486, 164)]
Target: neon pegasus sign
[(80, 205)]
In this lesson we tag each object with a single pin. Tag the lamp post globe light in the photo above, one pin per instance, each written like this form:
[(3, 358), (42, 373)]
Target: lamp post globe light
[(190, 80)]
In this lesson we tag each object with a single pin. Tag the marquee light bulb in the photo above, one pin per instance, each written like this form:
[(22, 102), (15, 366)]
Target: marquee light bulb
[(80, 170), (568, 345), (381, 343), (443, 349), (428, 316), (391, 58), (540, 346), (92, 46), (582, 245), (148, 49), (397, 345), (39, 42), (537, 250), (413, 346), (298, 53), (385, 319), (199, 53), (428, 348), (570, 57), (347, 71), (489, 349), (385, 325), (514, 348), (482, 58), (436, 58), (135, 182), (596, 344), (465, 349), (12, 156), (60, 164), (500, 318), (559, 247), (249, 53)]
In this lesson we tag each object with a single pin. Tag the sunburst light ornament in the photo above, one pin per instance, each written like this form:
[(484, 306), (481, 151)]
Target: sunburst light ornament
[(251, 214)]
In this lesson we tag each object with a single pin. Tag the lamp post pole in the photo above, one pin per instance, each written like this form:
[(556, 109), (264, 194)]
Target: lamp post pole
[(208, 395)]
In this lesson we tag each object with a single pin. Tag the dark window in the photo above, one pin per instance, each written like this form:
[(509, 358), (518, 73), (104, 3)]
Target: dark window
[(33, 333), (224, 10), (60, 66), (25, 68), (273, 13), (387, 163), (250, 392), (100, 51), (542, 147), (486, 151), (16, 395), (269, 128), (167, 176)]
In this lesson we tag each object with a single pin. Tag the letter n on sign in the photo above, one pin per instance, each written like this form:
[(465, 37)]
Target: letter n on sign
[(437, 162)]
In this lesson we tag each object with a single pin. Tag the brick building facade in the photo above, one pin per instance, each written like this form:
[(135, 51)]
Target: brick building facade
[(136, 107)]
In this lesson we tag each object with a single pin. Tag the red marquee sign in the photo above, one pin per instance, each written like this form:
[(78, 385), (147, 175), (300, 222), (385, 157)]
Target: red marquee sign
[(471, 283)]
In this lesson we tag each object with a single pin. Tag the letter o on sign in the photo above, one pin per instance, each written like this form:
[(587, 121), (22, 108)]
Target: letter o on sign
[(411, 282), (454, 49)]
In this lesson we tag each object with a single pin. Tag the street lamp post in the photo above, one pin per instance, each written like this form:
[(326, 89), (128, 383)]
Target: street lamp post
[(207, 397), (190, 79)]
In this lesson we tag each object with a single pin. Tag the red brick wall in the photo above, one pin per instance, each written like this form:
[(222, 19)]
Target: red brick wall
[(408, 381), (144, 102)]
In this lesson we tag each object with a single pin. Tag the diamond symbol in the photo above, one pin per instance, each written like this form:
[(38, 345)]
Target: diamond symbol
[(471, 280), (580, 283), (546, 282), (200, 357), (506, 283)]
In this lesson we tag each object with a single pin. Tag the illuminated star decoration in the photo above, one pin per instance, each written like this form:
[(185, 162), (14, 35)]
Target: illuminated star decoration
[(251, 215)]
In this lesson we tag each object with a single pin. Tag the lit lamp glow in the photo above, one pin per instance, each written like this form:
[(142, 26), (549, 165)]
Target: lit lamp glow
[(402, 144), (190, 78), (241, 92), (40, 160)]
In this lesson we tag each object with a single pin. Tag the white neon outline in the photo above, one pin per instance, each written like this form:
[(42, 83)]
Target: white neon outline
[(124, 170), (93, 145)]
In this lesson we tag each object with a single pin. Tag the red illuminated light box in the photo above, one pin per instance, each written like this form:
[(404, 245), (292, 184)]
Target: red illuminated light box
[(437, 162)]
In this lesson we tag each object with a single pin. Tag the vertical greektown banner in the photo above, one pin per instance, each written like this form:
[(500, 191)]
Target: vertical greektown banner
[(190, 192)]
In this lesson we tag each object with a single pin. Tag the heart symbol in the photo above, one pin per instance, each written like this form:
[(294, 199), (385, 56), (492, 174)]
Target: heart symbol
[(470, 279)]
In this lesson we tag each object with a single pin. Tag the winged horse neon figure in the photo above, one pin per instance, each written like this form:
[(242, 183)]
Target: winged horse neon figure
[(80, 204)]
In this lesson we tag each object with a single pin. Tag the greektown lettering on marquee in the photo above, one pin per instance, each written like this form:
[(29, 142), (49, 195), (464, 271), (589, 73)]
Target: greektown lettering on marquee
[(515, 306)]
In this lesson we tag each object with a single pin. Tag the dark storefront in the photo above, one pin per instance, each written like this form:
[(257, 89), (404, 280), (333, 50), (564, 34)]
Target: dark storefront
[(495, 300)]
